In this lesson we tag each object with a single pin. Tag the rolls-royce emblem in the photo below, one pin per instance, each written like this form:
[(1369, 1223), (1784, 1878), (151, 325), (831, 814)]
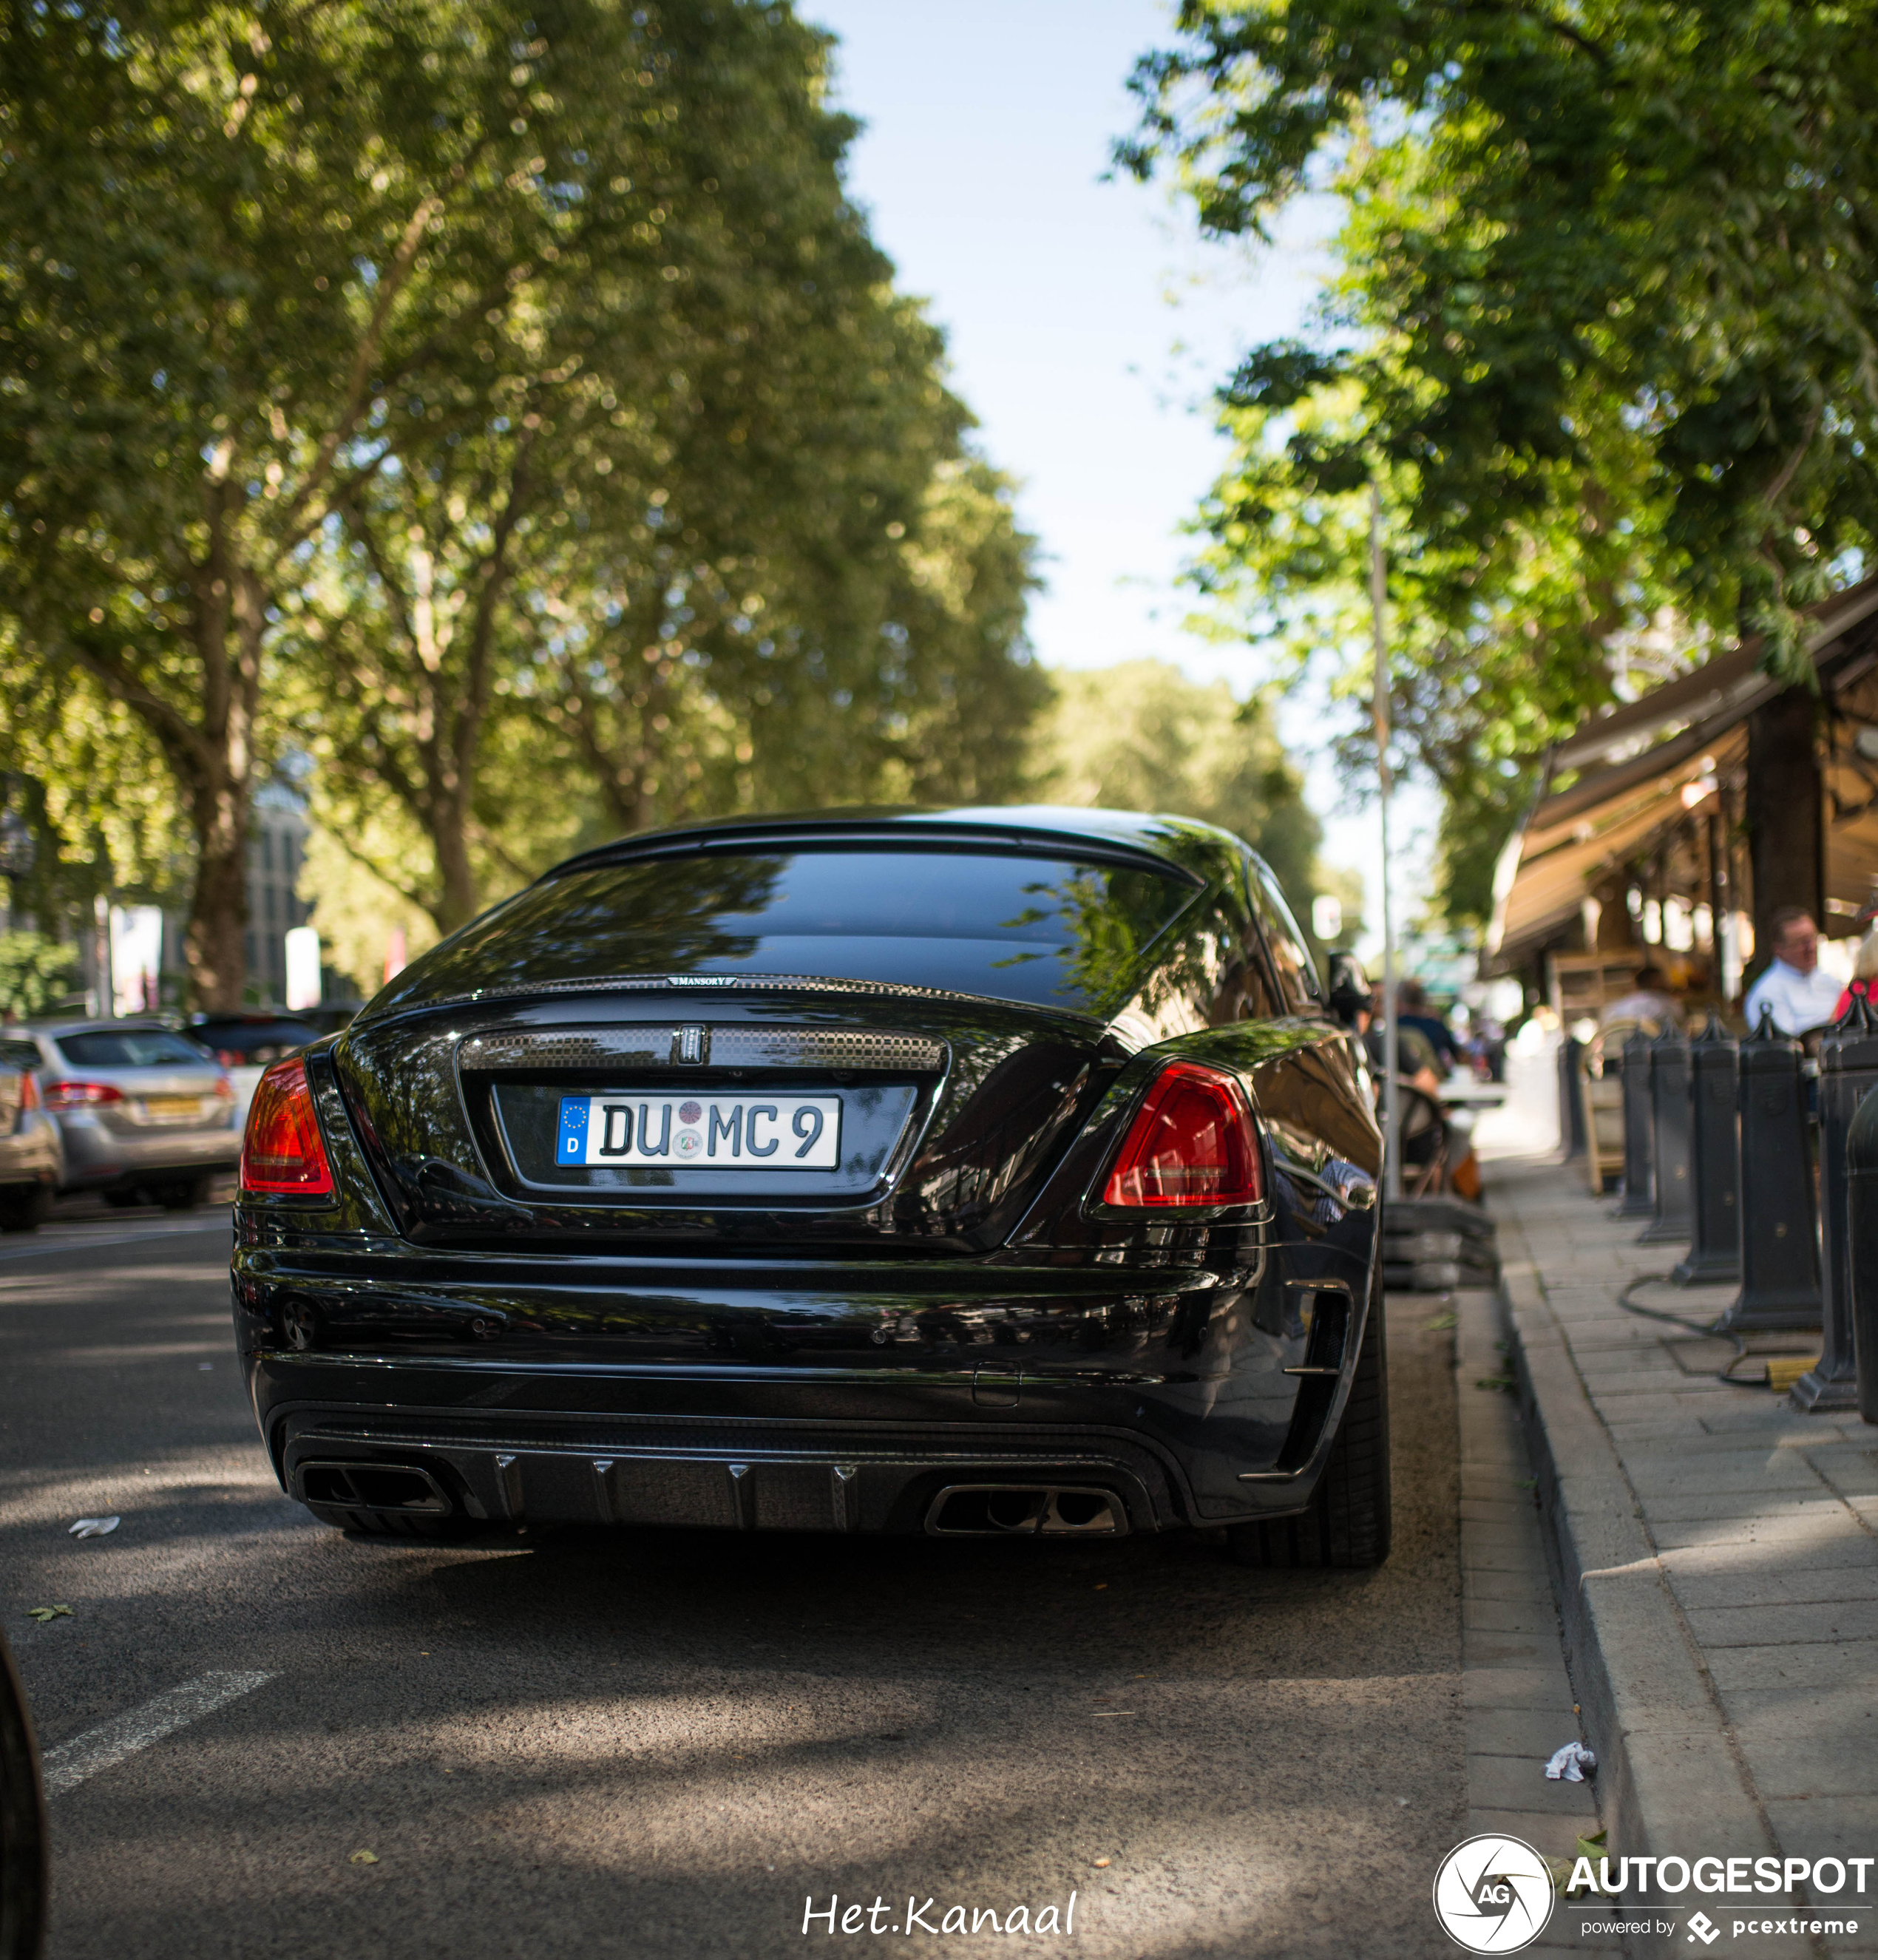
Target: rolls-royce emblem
[(691, 1043)]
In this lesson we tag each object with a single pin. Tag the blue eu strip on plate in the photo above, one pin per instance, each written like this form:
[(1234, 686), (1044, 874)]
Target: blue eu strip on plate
[(572, 1148)]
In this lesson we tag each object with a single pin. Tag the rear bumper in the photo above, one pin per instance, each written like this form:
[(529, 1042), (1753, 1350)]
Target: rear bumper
[(789, 1394), (31, 1155), (753, 1475), (97, 1155)]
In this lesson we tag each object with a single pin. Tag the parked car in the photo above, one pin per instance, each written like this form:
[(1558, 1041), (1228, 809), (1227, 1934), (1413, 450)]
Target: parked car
[(25, 1876), (32, 1162), (142, 1110), (330, 1016), (983, 1173), (246, 1044)]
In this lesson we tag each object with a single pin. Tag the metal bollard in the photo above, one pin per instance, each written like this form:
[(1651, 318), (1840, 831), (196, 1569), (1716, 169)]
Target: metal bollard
[(1848, 1071), (1714, 1160), (1861, 1164), (1637, 1202), (1780, 1255), (1571, 1132), (1675, 1222)]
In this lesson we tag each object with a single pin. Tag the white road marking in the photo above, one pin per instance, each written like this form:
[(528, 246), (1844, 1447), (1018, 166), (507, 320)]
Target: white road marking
[(105, 1746)]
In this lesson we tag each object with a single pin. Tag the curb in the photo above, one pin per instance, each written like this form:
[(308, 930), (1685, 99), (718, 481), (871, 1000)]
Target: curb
[(1671, 1781)]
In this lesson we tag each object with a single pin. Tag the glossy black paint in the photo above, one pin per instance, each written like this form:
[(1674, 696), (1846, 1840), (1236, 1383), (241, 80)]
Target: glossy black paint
[(976, 1307)]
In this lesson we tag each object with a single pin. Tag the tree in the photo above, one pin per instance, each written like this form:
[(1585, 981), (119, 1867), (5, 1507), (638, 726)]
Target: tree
[(1497, 647), (37, 975), (1141, 736), (1605, 333), (274, 278), (682, 462), (83, 772)]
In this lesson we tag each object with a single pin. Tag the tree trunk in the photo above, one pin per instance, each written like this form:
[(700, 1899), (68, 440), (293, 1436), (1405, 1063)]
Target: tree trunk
[(457, 878), (218, 913), (1785, 822)]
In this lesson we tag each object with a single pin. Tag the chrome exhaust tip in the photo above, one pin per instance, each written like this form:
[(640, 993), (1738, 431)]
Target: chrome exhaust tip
[(1025, 1510), (357, 1485)]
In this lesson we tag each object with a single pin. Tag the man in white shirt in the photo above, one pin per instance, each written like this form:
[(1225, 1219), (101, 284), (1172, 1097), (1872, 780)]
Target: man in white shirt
[(1802, 995)]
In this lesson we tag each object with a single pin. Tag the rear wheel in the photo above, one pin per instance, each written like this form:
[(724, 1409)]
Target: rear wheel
[(1348, 1522), (27, 1209), (183, 1194)]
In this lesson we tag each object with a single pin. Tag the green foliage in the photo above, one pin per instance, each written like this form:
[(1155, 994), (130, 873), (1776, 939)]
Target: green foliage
[(93, 789), (37, 975), (1604, 334), (486, 403), (1141, 736)]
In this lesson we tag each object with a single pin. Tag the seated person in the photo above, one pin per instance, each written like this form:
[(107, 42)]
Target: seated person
[(1800, 995), (1426, 1132), (1649, 1004), (1415, 1059), (1412, 1011)]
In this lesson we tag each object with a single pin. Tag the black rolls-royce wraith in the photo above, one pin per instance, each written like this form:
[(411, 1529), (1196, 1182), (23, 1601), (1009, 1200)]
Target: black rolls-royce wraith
[(977, 1171)]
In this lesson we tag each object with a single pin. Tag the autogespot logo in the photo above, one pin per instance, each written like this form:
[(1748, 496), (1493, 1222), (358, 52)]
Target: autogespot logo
[(1493, 1895)]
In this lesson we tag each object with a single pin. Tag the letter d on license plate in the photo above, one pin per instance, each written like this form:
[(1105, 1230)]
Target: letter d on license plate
[(717, 1132)]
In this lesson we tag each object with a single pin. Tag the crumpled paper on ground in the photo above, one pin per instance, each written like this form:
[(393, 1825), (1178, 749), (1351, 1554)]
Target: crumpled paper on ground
[(92, 1528), (1569, 1764)]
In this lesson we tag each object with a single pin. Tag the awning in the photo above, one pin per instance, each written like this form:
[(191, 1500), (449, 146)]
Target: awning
[(1646, 769)]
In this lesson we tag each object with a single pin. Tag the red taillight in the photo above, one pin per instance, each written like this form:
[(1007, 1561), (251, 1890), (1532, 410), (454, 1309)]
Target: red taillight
[(28, 1091), (75, 1095), (1192, 1143), (227, 1057), (283, 1151)]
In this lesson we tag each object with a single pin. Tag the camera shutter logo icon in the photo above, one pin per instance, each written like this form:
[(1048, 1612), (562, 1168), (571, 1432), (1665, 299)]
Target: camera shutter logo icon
[(1493, 1895)]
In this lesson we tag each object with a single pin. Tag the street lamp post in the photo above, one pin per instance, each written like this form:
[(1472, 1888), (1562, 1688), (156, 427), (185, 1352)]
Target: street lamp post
[(1379, 699)]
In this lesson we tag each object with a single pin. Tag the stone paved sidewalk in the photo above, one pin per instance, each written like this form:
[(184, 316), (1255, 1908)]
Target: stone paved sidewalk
[(1761, 1523)]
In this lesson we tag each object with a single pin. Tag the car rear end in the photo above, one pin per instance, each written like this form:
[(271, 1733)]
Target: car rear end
[(829, 1180), (247, 1045), (31, 1162), (141, 1109)]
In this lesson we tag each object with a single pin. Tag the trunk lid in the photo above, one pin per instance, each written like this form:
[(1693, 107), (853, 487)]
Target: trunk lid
[(751, 1119)]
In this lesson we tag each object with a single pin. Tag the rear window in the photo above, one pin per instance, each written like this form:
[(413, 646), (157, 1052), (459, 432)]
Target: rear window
[(1050, 931), (133, 1048), (20, 1055)]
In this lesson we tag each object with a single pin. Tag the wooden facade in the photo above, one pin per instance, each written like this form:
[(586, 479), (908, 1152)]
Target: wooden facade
[(1721, 796)]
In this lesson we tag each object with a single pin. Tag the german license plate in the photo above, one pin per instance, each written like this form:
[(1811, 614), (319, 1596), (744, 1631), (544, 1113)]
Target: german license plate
[(718, 1132), (172, 1108)]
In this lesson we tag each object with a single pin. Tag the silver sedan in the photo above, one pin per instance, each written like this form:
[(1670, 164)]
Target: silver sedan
[(140, 1109), (32, 1161)]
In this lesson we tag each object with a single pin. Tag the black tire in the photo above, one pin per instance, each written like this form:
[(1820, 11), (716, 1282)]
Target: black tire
[(1348, 1523), (183, 1194), (26, 1210), (392, 1524), (23, 1868), (123, 1197)]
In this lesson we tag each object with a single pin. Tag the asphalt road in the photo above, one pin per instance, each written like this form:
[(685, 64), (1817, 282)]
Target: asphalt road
[(655, 1744)]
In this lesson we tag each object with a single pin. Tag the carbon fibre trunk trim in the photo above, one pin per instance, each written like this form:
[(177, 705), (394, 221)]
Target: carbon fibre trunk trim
[(738, 1047)]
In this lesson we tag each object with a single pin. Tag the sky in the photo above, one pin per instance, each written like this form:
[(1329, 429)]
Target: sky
[(1087, 322)]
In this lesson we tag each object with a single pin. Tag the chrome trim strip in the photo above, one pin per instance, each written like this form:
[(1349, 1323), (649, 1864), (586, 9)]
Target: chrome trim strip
[(735, 1047)]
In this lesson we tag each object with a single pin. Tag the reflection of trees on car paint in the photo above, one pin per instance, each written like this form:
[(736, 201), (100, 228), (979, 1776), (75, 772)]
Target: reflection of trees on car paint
[(1112, 916), (620, 918), (980, 920)]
